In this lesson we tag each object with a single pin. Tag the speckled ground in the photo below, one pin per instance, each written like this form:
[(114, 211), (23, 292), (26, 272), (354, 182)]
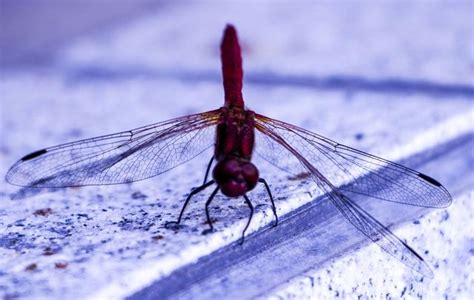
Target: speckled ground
[(448, 250), (110, 241)]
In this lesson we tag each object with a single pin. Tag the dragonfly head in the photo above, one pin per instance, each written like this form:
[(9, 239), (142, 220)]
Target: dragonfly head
[(235, 176)]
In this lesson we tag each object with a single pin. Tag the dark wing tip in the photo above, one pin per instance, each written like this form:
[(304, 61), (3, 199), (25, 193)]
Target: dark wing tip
[(429, 179), (34, 154)]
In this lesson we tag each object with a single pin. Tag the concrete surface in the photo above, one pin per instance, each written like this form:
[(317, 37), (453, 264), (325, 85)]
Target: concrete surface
[(393, 79)]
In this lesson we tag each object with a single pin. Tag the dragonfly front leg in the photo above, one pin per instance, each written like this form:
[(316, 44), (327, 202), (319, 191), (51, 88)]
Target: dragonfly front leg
[(247, 200), (208, 202), (271, 199), (208, 169)]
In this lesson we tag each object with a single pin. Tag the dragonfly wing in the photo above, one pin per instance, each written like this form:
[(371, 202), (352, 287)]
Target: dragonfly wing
[(355, 171), (281, 145), (118, 158), (380, 234)]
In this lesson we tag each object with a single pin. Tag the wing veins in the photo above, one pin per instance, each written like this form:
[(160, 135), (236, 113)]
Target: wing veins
[(358, 217), (90, 161), (374, 170)]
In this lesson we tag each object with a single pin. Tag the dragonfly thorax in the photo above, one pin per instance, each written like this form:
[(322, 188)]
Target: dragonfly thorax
[(235, 176)]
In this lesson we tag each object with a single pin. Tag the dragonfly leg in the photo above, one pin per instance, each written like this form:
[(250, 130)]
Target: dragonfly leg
[(271, 199), (247, 200), (208, 202), (193, 192), (208, 169)]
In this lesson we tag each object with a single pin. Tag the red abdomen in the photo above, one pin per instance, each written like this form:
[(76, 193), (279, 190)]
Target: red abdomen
[(232, 68)]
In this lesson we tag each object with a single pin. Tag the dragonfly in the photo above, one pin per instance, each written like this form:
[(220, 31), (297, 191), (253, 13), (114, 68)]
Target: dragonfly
[(237, 133)]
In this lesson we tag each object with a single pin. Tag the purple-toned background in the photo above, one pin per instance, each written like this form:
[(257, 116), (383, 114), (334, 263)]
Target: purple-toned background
[(394, 79)]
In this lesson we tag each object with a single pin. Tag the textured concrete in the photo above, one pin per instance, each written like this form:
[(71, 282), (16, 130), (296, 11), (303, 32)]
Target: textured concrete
[(393, 79)]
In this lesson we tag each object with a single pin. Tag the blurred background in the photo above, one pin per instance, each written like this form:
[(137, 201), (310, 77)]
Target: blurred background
[(32, 31), (377, 37), (393, 78)]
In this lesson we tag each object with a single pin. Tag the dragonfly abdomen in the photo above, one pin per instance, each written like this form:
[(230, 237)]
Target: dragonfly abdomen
[(232, 68)]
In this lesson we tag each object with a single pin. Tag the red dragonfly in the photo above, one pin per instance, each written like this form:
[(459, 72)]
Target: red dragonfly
[(236, 133)]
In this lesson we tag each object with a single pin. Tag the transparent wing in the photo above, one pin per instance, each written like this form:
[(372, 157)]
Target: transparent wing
[(118, 158), (353, 170), (310, 156), (379, 234)]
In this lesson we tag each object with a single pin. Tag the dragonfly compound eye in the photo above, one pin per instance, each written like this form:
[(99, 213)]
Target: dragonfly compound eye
[(235, 177), (250, 173)]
